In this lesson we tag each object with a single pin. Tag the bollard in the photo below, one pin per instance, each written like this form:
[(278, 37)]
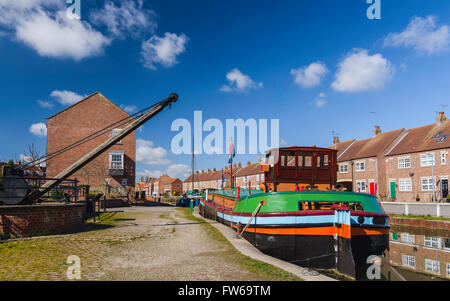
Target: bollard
[(438, 210), (406, 209)]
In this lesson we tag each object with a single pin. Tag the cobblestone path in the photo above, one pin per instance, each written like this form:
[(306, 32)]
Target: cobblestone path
[(141, 243)]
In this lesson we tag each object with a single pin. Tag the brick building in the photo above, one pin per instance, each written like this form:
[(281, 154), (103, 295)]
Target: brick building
[(116, 166), (166, 184), (361, 163), (420, 252), (252, 173), (418, 162)]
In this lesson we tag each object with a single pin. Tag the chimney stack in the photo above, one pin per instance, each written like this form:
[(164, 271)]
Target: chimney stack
[(441, 117), (336, 140), (376, 131)]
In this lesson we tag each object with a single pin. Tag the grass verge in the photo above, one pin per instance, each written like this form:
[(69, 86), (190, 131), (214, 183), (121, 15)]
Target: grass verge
[(258, 267), (425, 217)]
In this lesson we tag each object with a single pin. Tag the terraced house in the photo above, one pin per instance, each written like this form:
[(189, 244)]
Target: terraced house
[(361, 163), (250, 174), (417, 166)]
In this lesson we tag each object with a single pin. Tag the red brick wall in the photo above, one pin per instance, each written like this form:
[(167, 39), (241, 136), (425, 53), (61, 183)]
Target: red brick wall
[(395, 173), (79, 121), (21, 221), (370, 173)]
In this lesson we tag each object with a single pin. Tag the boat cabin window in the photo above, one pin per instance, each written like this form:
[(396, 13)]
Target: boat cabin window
[(308, 205), (322, 161)]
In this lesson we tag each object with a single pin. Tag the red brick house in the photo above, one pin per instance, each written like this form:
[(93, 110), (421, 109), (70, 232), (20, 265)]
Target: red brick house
[(116, 166), (418, 162), (251, 173), (361, 163)]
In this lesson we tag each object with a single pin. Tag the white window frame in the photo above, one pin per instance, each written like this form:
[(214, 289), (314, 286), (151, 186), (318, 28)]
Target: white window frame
[(432, 266), (443, 244), (443, 158), (342, 169), (405, 184), (404, 162), (409, 261), (358, 166), (116, 153), (115, 132), (430, 184), (407, 238), (427, 160), (431, 242), (358, 185)]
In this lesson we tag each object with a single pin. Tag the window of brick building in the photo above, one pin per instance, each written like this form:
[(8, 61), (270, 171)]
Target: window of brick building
[(427, 184), (443, 158), (343, 168), (407, 238), (432, 242), (432, 266), (427, 160), (115, 132), (448, 269), (446, 243), (361, 186), (404, 162), (360, 166), (116, 160), (409, 261), (405, 184)]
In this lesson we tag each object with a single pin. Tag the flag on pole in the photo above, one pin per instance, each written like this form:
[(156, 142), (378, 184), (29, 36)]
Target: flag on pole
[(232, 151), (223, 179)]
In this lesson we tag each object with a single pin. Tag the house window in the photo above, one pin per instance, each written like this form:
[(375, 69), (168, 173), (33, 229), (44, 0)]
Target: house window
[(124, 182), (427, 184), (432, 242), (408, 261), (360, 166), (448, 269), (446, 243), (443, 138), (361, 186), (404, 162), (427, 160), (343, 168), (404, 185), (432, 266), (116, 160), (408, 238), (443, 158), (115, 132)]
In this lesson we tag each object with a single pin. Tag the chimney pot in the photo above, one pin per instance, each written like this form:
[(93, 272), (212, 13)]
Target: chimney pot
[(376, 131), (441, 118), (336, 140)]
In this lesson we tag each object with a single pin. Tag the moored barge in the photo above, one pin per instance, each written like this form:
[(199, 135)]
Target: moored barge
[(324, 229)]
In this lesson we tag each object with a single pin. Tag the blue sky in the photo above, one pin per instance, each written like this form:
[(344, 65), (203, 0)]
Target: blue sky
[(317, 66)]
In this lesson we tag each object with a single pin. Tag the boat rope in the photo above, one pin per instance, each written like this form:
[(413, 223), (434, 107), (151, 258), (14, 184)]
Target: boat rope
[(251, 219), (90, 137)]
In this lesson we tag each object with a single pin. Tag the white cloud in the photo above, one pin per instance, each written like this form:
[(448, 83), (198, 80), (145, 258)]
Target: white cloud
[(283, 142), (45, 104), (239, 82), (39, 129), (65, 97), (360, 71), (130, 109), (320, 100), (148, 154), (423, 35), (310, 76), (163, 51), (128, 19), (44, 26), (181, 171)]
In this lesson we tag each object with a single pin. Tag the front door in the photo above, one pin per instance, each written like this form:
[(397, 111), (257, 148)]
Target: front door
[(393, 193), (444, 188)]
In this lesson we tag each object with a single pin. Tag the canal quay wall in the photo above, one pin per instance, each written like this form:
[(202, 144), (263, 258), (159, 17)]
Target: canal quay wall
[(39, 219), (424, 209)]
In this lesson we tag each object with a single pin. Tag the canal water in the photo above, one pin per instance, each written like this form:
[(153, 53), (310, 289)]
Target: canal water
[(415, 254)]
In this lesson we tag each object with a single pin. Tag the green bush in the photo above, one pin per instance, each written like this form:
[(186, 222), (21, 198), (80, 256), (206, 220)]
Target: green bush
[(57, 195)]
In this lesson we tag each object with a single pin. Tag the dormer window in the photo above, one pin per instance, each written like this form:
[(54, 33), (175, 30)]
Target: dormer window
[(443, 138), (439, 134)]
